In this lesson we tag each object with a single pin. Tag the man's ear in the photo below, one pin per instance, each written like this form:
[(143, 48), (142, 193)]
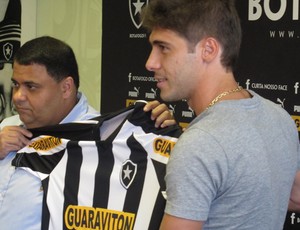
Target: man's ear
[(68, 86), (210, 49)]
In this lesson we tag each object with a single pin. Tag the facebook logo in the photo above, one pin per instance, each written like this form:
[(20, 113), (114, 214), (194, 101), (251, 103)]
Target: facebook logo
[(247, 84), (293, 218), (296, 86)]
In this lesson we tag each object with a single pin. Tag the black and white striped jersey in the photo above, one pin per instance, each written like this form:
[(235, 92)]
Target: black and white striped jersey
[(112, 179)]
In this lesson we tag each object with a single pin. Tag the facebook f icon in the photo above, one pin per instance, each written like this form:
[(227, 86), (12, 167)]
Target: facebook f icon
[(293, 218), (247, 83), (296, 86)]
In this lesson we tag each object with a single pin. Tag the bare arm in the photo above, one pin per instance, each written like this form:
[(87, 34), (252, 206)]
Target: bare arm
[(294, 204), (174, 223), (160, 113), (13, 138)]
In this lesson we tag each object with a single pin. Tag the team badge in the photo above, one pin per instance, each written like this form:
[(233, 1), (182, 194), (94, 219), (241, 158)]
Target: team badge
[(7, 51), (127, 174), (135, 8)]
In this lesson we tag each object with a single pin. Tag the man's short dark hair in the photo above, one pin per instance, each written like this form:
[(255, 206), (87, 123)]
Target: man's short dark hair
[(57, 57), (197, 19)]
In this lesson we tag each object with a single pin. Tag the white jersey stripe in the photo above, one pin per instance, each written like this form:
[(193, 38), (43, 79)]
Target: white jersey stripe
[(150, 191), (55, 198), (121, 154), (87, 174)]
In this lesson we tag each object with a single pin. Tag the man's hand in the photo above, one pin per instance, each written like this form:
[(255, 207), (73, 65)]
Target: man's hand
[(294, 204), (160, 113), (13, 138)]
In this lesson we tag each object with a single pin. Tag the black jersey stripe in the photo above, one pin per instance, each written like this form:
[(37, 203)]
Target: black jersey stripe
[(139, 157), (72, 176), (46, 212), (102, 175)]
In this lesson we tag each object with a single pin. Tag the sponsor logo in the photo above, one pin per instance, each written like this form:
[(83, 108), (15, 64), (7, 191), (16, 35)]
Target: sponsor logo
[(183, 125), (45, 143), (127, 173), (297, 121), (134, 93), (294, 219), (8, 51), (247, 84), (189, 114), (172, 108), (296, 86), (152, 94), (258, 7), (281, 102), (79, 217), (130, 102), (163, 147), (135, 8)]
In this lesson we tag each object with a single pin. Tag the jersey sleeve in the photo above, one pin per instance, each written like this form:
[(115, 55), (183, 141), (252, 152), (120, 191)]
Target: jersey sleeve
[(41, 156)]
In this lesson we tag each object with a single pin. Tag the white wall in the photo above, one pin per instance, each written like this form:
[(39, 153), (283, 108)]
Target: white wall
[(79, 23), (28, 20)]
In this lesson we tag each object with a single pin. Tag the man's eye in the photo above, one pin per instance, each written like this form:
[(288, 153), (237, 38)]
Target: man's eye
[(14, 84), (162, 47), (30, 87)]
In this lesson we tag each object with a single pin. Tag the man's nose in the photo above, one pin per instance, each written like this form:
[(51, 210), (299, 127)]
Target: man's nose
[(152, 63), (19, 94)]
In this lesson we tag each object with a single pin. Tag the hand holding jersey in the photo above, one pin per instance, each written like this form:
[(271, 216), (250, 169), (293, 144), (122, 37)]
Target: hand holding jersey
[(160, 114)]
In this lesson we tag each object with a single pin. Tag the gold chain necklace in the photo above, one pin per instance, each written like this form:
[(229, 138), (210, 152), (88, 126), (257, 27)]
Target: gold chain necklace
[(214, 101)]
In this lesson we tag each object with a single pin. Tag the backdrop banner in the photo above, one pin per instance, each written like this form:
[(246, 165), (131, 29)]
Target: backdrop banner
[(269, 59), (10, 40)]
